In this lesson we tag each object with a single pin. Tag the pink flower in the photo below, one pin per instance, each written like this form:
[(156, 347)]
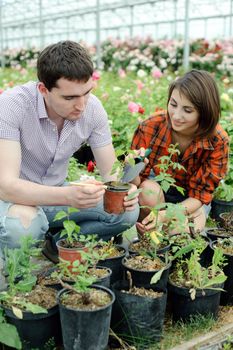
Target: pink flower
[(139, 84), (1, 91), (133, 107), (157, 73), (95, 75), (121, 73)]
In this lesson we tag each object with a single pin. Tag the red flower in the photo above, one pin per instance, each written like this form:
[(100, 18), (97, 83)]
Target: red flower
[(91, 166), (141, 110)]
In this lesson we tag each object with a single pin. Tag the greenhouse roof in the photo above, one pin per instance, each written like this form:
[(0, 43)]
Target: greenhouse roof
[(27, 23)]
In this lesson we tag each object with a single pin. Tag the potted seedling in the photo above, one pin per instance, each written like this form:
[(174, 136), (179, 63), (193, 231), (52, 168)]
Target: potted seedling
[(195, 289), (144, 266), (226, 244), (69, 246), (223, 197), (226, 227), (26, 303), (138, 312), (111, 255), (117, 190), (85, 311), (90, 259)]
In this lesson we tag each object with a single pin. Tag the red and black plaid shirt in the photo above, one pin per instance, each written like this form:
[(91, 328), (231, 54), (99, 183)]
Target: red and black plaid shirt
[(205, 160)]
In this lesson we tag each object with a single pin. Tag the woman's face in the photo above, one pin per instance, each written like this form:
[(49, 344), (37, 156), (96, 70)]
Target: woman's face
[(183, 115)]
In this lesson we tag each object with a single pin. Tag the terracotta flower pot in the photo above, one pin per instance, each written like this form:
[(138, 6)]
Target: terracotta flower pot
[(69, 254), (114, 197)]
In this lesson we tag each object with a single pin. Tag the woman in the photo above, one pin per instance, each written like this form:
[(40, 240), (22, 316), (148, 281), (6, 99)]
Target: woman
[(191, 121)]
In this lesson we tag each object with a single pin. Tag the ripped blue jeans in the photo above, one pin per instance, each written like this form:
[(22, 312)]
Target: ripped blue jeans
[(91, 221)]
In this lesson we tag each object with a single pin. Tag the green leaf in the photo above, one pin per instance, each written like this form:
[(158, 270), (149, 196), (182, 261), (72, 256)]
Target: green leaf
[(157, 276), (60, 215), (69, 226), (27, 284), (35, 309), (9, 336), (72, 210), (216, 280), (134, 194), (165, 185)]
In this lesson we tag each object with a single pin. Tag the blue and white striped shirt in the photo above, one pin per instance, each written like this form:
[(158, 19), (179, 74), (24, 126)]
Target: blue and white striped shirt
[(45, 155)]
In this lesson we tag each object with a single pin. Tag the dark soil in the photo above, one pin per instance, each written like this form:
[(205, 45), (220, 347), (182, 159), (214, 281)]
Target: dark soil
[(227, 221), (139, 262), (143, 292), (111, 251), (92, 300), (222, 232), (226, 249), (75, 245), (145, 245), (47, 279), (40, 295)]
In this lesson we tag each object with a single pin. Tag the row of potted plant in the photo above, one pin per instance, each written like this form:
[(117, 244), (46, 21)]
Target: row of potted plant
[(140, 282)]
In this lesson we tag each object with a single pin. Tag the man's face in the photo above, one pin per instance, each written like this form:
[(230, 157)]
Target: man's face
[(67, 100)]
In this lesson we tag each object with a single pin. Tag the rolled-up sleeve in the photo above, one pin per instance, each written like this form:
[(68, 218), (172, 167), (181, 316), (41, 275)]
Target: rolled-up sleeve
[(10, 116)]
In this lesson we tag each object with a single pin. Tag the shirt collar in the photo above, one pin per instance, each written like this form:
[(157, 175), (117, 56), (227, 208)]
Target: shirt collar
[(42, 113)]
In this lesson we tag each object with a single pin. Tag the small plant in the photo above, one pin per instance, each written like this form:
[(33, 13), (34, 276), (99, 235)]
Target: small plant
[(190, 274), (175, 217), (80, 275), (224, 191), (20, 279), (118, 167), (71, 229)]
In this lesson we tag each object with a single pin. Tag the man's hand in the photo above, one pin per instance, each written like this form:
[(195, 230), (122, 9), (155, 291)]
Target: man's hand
[(129, 204), (86, 194)]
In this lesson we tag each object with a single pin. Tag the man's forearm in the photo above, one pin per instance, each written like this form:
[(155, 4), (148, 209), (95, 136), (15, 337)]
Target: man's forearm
[(24, 192)]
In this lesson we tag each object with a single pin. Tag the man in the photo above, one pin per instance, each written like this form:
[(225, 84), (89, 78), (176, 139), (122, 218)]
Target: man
[(41, 125)]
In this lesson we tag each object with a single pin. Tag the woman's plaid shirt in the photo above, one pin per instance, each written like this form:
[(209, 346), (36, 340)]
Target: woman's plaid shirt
[(205, 160)]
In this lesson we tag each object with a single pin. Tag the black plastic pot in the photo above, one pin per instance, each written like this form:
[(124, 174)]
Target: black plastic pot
[(85, 329), (138, 319), (227, 296), (104, 281), (115, 265), (215, 233), (205, 256), (161, 250), (223, 218), (218, 206), (35, 330), (142, 278), (183, 307)]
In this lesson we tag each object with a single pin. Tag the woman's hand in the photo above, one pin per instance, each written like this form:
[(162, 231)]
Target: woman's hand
[(150, 222)]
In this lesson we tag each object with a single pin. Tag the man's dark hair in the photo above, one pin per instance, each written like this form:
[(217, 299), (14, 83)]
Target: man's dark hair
[(66, 59)]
